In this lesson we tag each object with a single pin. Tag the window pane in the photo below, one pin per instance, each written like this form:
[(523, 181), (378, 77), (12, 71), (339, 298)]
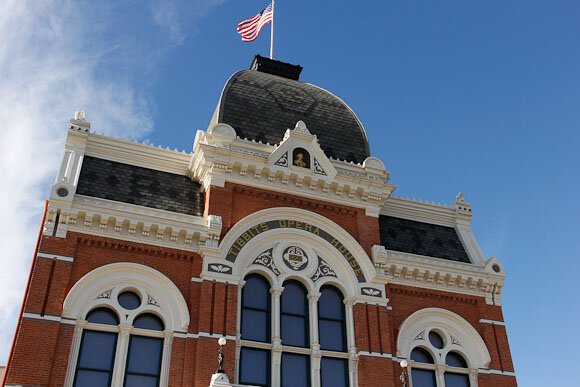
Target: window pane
[(149, 321), (294, 331), (333, 372), (456, 380), (140, 381), (330, 304), (97, 350), (331, 335), (256, 293), (92, 379), (129, 300), (144, 355), (295, 370), (423, 378), (436, 340), (255, 325), (103, 316), (422, 356), (255, 367), (455, 360), (293, 299)]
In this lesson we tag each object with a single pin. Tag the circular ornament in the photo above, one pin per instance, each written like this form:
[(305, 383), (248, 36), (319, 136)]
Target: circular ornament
[(295, 258)]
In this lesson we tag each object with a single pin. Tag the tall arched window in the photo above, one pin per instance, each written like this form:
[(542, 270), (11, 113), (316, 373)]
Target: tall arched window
[(294, 315), (331, 320), (294, 330), (97, 353), (297, 331), (255, 327), (144, 357)]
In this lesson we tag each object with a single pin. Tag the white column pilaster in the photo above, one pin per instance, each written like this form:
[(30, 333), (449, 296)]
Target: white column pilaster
[(121, 355), (166, 358), (74, 353), (316, 357), (276, 337)]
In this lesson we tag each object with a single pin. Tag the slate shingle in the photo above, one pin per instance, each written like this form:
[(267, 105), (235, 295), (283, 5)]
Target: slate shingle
[(261, 106), (140, 186), (409, 236)]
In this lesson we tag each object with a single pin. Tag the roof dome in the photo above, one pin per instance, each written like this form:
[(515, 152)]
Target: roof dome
[(264, 101)]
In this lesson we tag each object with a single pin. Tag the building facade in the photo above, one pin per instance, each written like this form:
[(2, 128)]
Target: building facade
[(279, 232)]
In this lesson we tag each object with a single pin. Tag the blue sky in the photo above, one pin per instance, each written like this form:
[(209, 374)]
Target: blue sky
[(479, 97)]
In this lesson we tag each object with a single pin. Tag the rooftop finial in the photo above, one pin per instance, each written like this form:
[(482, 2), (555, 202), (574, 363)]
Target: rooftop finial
[(79, 123), (460, 198), (80, 115)]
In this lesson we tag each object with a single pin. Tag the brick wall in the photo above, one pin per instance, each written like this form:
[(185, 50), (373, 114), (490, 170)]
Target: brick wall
[(42, 347)]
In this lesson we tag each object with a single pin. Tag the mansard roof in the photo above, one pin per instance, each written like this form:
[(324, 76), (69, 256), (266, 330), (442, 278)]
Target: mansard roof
[(146, 187), (432, 240), (261, 103)]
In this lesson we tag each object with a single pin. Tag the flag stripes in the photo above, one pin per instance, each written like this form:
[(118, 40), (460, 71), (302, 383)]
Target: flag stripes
[(250, 28)]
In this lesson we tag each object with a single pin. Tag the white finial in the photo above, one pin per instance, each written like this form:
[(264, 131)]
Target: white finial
[(80, 115), (301, 127), (460, 198)]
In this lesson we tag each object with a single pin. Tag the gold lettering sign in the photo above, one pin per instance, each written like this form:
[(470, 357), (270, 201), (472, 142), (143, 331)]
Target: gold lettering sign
[(253, 232)]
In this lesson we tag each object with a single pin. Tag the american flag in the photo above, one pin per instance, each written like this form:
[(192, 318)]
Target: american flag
[(250, 28)]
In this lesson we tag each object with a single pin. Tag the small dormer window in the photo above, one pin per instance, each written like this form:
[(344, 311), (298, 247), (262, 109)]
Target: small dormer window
[(301, 158)]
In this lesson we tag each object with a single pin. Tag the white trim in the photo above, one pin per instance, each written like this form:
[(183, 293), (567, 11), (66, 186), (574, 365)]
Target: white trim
[(468, 341), (384, 355), (496, 372), (46, 317), (84, 295), (493, 322), (54, 256)]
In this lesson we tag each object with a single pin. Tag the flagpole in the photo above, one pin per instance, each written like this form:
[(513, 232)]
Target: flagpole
[(272, 33)]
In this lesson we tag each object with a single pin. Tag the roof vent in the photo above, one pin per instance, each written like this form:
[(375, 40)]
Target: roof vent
[(275, 67)]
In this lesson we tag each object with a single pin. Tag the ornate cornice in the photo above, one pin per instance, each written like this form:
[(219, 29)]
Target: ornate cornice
[(134, 223), (220, 156), (439, 274)]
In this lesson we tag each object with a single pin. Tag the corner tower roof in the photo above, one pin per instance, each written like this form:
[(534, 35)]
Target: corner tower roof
[(264, 101)]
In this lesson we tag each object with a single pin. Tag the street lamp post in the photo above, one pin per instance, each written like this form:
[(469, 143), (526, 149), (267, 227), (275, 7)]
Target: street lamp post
[(403, 376), (222, 343)]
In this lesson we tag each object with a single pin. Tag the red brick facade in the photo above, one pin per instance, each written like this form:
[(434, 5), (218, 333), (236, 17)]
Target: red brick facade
[(42, 346)]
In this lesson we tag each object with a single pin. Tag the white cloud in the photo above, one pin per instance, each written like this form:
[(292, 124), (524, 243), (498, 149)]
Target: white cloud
[(177, 18), (48, 67)]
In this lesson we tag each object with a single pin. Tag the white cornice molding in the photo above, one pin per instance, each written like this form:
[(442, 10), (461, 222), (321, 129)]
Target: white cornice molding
[(134, 223), (427, 212), (134, 153), (219, 156), (440, 274)]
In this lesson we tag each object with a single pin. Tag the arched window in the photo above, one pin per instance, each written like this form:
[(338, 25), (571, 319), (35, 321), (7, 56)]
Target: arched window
[(98, 360), (294, 315), (332, 334), (255, 327), (144, 357), (294, 329), (137, 306), (452, 377), (424, 374), (293, 337), (442, 348), (331, 320), (97, 352)]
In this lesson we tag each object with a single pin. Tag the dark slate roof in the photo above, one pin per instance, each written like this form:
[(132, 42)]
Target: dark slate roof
[(261, 106), (141, 186), (409, 236)]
